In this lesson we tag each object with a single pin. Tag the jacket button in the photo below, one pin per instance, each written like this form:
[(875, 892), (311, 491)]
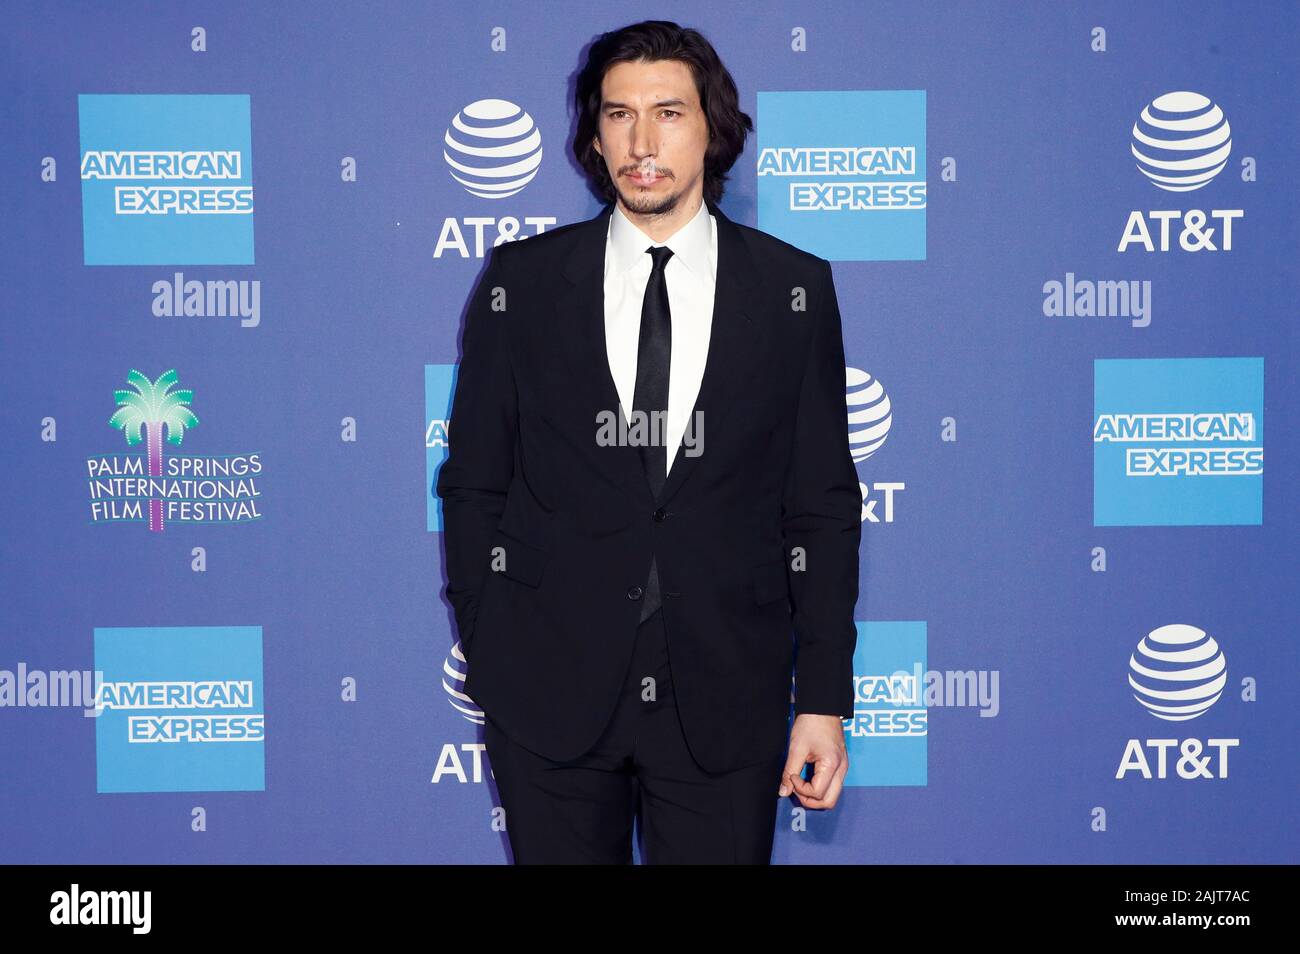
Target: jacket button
[(659, 515), (634, 593)]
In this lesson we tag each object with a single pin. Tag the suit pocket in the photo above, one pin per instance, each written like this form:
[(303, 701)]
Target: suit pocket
[(517, 560), (770, 582)]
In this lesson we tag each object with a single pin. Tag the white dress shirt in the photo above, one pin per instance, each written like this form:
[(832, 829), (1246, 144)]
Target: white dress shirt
[(690, 275)]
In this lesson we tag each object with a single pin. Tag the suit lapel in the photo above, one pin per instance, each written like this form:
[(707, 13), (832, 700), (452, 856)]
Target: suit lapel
[(581, 311), (735, 342)]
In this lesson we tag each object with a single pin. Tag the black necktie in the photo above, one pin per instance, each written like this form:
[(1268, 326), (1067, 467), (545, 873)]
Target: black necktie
[(650, 397)]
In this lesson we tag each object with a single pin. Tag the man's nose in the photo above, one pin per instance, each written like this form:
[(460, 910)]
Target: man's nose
[(643, 139)]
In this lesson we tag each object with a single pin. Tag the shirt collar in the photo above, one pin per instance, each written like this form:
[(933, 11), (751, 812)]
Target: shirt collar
[(692, 243)]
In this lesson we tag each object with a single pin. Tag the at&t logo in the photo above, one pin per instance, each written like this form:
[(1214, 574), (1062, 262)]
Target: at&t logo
[(870, 417), (1177, 673), (1181, 142), (493, 148)]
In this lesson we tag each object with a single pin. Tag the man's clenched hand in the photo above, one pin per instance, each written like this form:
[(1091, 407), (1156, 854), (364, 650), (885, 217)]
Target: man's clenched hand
[(818, 739)]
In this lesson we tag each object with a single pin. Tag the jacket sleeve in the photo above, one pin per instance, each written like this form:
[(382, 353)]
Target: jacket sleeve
[(821, 513), (476, 474)]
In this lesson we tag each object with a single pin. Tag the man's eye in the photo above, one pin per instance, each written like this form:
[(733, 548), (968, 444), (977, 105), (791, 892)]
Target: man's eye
[(671, 112)]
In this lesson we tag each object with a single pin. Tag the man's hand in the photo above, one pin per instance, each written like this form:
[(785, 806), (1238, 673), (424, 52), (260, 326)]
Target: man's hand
[(818, 739)]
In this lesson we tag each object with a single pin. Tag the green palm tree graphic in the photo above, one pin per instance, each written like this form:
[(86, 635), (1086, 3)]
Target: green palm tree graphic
[(151, 405)]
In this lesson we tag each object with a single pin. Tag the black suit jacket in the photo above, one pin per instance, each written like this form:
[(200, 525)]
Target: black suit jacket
[(549, 534)]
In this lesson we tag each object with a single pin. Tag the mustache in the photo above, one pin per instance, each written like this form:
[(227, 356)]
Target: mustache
[(649, 166)]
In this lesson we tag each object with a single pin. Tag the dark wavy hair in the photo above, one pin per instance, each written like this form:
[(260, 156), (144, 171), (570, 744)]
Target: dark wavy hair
[(654, 40)]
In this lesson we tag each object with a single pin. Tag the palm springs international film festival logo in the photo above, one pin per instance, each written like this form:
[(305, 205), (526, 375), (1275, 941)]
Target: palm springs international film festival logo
[(870, 418), (842, 173), (1177, 673), (130, 488), (166, 179), (179, 709), (1180, 142), (1178, 441)]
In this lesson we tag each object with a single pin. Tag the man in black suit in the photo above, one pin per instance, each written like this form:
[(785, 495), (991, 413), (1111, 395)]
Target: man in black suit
[(649, 492)]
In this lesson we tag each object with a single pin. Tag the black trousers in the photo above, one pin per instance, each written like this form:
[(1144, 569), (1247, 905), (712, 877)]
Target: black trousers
[(582, 811)]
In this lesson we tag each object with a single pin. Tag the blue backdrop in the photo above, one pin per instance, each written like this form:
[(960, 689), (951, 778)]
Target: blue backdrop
[(239, 239)]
